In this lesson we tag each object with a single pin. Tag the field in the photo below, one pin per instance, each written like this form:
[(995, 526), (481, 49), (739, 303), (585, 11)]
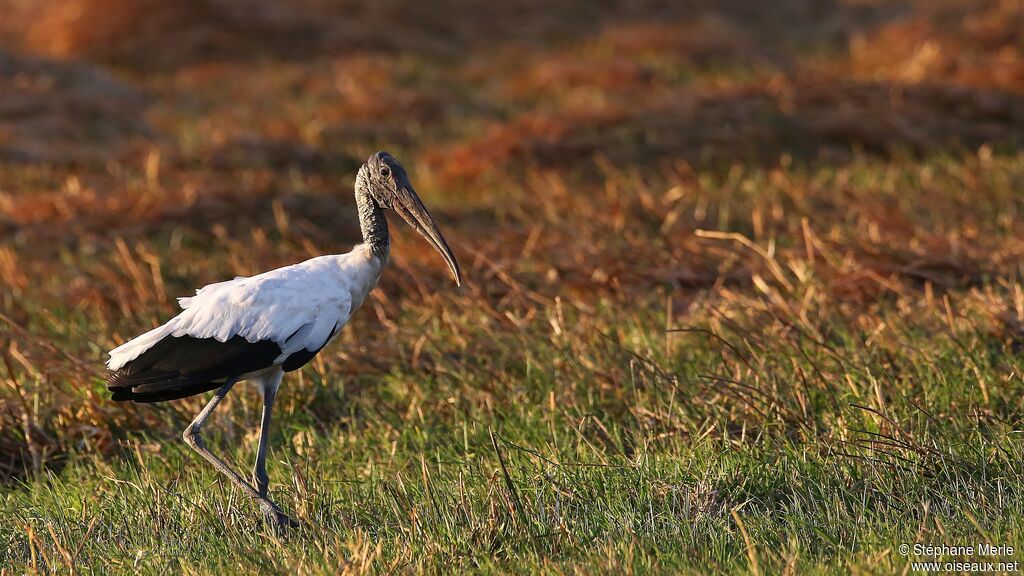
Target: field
[(744, 283)]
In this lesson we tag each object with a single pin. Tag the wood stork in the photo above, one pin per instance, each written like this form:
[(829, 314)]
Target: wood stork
[(260, 327)]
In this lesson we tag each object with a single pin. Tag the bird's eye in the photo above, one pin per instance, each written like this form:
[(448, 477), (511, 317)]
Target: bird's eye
[(385, 171)]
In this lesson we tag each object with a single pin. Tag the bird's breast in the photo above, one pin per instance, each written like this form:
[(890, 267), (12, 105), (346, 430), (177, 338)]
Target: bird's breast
[(364, 277)]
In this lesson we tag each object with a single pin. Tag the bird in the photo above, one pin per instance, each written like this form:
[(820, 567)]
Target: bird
[(260, 327)]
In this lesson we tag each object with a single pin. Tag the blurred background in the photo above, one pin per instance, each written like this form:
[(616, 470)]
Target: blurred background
[(471, 89), (812, 160)]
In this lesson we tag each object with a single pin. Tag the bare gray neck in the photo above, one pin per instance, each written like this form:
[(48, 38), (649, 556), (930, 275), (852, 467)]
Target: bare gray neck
[(372, 221)]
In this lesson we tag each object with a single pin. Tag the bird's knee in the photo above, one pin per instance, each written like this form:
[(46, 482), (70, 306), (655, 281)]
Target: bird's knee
[(192, 437)]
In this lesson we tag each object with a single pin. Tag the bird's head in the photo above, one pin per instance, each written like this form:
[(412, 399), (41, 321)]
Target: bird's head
[(387, 183)]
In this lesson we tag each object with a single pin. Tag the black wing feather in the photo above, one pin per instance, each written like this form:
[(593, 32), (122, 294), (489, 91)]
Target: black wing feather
[(181, 366), (297, 360)]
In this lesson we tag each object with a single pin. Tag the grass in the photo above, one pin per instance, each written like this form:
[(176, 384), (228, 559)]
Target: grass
[(566, 437), (728, 309), (524, 460)]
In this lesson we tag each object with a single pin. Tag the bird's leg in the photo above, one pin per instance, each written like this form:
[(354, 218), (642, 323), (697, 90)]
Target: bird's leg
[(194, 439), (259, 471)]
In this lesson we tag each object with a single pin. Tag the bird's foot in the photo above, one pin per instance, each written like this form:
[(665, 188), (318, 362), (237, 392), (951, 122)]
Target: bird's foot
[(275, 518)]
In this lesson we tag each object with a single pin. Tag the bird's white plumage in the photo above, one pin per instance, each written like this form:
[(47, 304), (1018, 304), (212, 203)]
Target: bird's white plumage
[(298, 306)]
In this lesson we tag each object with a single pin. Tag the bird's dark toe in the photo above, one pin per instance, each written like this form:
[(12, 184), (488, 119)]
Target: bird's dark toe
[(277, 520)]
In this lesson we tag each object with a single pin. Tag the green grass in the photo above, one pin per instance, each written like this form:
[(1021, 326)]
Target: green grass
[(569, 449)]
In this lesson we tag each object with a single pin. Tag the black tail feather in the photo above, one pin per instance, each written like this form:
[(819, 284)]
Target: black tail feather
[(155, 387), (183, 390), (178, 367)]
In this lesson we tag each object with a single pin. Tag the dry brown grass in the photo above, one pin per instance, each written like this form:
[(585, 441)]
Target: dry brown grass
[(52, 112), (979, 45)]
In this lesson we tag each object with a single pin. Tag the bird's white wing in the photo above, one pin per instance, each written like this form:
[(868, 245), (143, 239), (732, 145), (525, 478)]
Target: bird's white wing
[(298, 307)]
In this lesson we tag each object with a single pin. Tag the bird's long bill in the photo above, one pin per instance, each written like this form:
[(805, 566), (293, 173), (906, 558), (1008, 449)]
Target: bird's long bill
[(415, 213)]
